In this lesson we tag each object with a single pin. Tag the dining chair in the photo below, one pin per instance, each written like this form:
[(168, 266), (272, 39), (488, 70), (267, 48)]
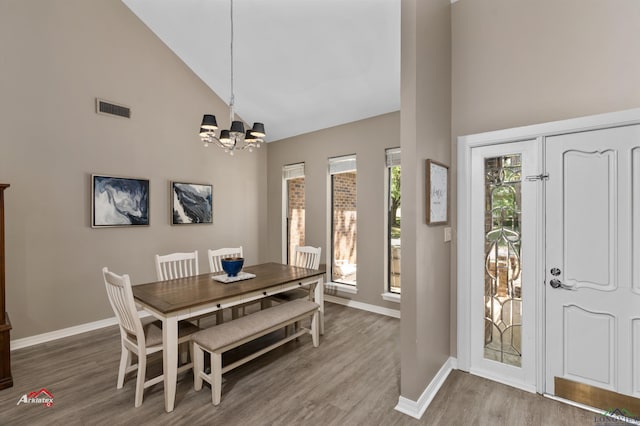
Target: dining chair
[(215, 266), (215, 257), (138, 338), (176, 265), (304, 257), (180, 265)]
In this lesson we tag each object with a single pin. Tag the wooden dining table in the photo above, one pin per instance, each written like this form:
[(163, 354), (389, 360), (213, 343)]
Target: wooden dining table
[(183, 298)]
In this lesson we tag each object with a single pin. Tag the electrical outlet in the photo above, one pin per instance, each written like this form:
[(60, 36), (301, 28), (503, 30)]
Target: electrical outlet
[(447, 234)]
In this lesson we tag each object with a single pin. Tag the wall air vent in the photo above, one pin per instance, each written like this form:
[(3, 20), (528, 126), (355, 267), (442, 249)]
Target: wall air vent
[(109, 108)]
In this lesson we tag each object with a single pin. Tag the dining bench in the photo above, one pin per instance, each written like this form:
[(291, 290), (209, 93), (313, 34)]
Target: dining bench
[(221, 338)]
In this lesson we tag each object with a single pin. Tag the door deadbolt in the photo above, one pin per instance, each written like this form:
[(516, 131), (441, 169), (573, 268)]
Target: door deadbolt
[(555, 272)]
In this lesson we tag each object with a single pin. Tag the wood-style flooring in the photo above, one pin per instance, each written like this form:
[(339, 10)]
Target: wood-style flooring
[(351, 379)]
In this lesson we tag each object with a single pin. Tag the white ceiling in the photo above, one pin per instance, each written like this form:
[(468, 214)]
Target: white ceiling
[(299, 65)]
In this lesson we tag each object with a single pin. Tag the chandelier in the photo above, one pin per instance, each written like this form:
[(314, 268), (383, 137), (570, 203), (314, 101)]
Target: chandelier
[(236, 138)]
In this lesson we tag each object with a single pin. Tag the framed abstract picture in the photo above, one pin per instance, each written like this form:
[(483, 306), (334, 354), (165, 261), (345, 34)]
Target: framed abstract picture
[(437, 193), (119, 201), (191, 203)]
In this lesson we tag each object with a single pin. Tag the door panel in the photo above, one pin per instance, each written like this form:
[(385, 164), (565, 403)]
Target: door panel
[(592, 295), (595, 171), (582, 328)]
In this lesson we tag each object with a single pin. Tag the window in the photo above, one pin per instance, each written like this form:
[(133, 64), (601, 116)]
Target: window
[(503, 274), (343, 219), (293, 186), (393, 220)]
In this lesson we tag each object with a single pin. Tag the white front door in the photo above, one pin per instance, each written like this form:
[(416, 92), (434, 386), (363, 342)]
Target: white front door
[(504, 235), (592, 272)]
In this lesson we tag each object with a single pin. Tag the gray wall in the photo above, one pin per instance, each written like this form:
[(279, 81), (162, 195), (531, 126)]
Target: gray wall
[(368, 139), (57, 56), (426, 125), (519, 62)]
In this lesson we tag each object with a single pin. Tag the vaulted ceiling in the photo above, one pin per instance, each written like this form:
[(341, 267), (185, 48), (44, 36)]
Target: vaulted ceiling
[(299, 65)]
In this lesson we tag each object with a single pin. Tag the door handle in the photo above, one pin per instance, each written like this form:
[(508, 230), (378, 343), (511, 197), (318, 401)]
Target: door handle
[(556, 283)]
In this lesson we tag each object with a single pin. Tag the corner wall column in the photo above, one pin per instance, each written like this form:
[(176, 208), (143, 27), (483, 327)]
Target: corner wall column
[(6, 381)]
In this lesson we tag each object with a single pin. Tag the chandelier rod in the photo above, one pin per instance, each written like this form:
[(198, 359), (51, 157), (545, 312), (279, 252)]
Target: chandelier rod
[(232, 99)]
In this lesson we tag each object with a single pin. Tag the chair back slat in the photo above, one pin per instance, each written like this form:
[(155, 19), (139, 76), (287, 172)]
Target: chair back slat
[(215, 256), (307, 257), (122, 302), (176, 265)]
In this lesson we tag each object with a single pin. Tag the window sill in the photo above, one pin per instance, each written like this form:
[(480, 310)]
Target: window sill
[(391, 297), (342, 288)]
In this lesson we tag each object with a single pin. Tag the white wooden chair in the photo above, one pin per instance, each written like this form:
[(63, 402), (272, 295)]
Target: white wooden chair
[(215, 266), (181, 265), (304, 257), (138, 338), (215, 257), (176, 265)]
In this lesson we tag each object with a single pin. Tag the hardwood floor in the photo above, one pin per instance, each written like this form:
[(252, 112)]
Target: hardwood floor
[(351, 379)]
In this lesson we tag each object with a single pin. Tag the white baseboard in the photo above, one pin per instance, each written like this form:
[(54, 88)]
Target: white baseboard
[(25, 342), (416, 409), (363, 306), (505, 380)]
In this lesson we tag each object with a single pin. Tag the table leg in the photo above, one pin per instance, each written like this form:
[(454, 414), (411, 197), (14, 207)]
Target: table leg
[(319, 299), (170, 361)]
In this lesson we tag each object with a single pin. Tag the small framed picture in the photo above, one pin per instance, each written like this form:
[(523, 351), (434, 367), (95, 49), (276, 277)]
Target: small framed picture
[(191, 203), (119, 201), (437, 193)]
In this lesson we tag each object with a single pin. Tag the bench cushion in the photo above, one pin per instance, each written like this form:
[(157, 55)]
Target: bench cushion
[(231, 332)]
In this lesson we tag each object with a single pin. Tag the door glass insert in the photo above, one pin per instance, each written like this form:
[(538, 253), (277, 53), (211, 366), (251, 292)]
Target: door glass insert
[(502, 276)]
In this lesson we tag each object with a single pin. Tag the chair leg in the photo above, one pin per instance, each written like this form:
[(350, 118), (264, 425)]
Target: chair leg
[(125, 363), (315, 329), (184, 353), (142, 371), (216, 372), (198, 366), (235, 312)]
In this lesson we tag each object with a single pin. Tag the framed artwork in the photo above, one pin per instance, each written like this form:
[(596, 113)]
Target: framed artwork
[(119, 201), (191, 203), (437, 193)]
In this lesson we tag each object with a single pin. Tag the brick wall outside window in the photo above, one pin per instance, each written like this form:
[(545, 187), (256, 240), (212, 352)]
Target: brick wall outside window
[(295, 202), (344, 218)]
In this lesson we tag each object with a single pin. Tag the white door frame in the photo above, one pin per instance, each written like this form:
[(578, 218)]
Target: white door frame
[(465, 145), (531, 229)]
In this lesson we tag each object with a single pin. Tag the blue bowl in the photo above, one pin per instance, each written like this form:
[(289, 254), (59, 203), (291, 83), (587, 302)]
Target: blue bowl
[(232, 265)]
